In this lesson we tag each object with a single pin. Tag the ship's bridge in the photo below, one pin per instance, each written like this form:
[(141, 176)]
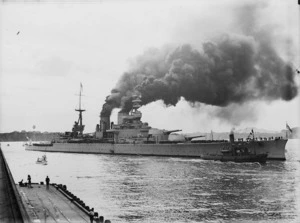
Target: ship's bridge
[(136, 103), (133, 116)]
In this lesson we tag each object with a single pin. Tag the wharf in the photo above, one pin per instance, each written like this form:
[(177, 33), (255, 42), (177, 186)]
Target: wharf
[(11, 209), (50, 205), (22, 204)]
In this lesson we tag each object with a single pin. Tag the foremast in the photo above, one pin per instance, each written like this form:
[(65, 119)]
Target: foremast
[(78, 126)]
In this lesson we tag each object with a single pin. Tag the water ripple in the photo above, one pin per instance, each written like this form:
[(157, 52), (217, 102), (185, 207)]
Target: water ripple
[(162, 189)]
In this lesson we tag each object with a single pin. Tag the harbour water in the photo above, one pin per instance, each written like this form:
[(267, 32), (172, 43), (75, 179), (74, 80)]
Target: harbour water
[(164, 189)]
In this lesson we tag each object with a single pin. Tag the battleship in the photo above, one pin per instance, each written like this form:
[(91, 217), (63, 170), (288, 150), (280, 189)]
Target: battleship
[(131, 136)]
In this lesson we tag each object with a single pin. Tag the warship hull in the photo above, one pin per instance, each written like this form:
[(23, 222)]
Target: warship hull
[(274, 148)]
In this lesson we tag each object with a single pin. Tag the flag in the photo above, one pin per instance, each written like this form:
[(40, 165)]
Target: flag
[(289, 128)]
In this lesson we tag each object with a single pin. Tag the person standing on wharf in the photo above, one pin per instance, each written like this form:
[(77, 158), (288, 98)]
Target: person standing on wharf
[(47, 182), (29, 181)]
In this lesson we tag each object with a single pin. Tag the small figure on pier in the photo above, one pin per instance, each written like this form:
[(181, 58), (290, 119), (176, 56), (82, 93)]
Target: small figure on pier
[(29, 181), (47, 182), (21, 184), (92, 215)]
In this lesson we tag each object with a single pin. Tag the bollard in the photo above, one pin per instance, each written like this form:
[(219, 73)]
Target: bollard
[(41, 183), (78, 202), (107, 221), (101, 219)]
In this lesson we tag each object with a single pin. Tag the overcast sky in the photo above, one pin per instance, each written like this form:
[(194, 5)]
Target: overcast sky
[(48, 49)]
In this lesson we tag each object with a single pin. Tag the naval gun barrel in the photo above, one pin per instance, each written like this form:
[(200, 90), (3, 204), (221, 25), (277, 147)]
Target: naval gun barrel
[(170, 131), (189, 138)]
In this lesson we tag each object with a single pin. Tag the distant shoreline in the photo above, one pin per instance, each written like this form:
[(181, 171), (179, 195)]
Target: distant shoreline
[(23, 136), (48, 136)]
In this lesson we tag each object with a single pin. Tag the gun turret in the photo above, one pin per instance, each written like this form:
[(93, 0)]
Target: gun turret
[(189, 138), (170, 131)]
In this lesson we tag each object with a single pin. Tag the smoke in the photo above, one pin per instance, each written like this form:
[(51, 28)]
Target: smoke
[(232, 130), (229, 69), (235, 114)]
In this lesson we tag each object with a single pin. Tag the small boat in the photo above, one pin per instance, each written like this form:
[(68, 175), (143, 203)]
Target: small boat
[(42, 160), (236, 154)]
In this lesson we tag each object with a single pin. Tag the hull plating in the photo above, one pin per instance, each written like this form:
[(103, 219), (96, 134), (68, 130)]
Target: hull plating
[(274, 148)]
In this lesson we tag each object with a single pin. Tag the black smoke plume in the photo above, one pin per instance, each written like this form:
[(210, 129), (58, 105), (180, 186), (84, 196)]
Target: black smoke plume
[(231, 68)]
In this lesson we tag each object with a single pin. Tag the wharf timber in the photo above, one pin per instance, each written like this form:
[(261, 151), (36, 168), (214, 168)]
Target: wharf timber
[(49, 205), (54, 204)]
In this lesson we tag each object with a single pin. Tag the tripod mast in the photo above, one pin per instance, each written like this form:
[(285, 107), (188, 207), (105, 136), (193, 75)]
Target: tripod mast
[(80, 126)]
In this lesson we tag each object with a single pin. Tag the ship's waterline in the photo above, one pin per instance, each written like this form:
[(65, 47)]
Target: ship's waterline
[(274, 148)]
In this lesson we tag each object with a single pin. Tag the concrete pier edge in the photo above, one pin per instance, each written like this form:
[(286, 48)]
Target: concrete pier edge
[(77, 201), (15, 195)]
